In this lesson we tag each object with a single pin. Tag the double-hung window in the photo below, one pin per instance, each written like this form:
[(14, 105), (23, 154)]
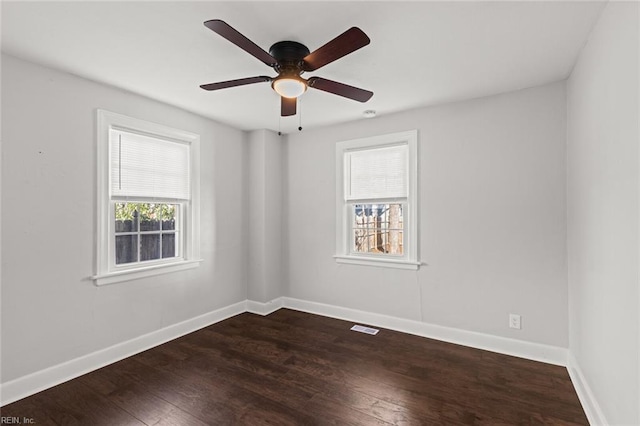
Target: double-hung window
[(376, 203), (148, 188)]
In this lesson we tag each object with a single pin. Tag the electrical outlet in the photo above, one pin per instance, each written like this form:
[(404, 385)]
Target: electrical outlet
[(514, 321)]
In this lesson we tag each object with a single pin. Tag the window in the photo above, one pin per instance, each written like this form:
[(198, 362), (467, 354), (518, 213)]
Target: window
[(376, 201), (377, 228), (146, 231), (148, 199)]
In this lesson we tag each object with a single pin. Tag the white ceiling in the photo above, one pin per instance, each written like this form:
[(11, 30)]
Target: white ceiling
[(421, 53)]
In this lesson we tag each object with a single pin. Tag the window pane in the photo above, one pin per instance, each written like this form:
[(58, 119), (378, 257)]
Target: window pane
[(168, 245), (150, 217), (126, 249), (377, 228), (126, 216), (361, 241), (169, 216), (149, 247)]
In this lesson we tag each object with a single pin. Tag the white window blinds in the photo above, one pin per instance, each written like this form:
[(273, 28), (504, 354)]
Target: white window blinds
[(377, 173), (148, 167)]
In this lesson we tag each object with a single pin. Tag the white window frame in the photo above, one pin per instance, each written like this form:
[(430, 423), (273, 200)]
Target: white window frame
[(344, 215), (189, 256)]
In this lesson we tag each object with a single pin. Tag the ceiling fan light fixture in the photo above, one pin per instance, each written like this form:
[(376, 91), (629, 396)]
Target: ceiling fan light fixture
[(289, 87)]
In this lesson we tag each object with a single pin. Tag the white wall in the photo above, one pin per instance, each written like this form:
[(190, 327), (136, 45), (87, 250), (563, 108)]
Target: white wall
[(603, 213), (51, 312), (265, 216), (492, 218)]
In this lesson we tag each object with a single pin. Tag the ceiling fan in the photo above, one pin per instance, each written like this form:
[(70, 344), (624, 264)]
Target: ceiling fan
[(290, 59)]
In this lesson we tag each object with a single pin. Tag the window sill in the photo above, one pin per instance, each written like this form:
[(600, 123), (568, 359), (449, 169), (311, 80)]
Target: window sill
[(147, 271), (382, 263)]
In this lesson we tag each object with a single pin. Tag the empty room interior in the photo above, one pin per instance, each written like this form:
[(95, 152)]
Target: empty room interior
[(320, 213)]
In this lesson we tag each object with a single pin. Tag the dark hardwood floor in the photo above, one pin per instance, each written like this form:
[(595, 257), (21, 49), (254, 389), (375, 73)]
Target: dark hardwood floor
[(293, 368)]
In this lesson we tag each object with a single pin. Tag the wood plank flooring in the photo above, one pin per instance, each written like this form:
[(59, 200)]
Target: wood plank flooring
[(293, 368)]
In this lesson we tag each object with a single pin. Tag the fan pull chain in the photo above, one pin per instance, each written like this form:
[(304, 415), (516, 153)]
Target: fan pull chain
[(279, 125), (299, 114)]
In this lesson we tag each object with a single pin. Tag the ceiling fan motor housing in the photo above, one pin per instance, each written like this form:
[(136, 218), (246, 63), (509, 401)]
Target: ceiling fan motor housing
[(289, 55)]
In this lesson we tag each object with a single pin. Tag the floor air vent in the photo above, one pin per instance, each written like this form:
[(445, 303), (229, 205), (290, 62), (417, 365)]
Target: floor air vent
[(363, 329)]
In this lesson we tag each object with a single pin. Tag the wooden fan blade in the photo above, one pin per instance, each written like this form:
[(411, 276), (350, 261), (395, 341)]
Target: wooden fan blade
[(226, 31), (288, 106), (234, 83), (349, 41), (340, 89)]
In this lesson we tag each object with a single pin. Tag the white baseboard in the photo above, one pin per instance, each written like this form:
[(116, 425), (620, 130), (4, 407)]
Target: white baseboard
[(585, 394), (41, 380), (264, 308), (520, 348), (30, 384)]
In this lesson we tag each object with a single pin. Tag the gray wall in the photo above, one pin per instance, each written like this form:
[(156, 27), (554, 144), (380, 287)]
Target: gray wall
[(51, 313), (264, 246), (603, 213), (492, 218)]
